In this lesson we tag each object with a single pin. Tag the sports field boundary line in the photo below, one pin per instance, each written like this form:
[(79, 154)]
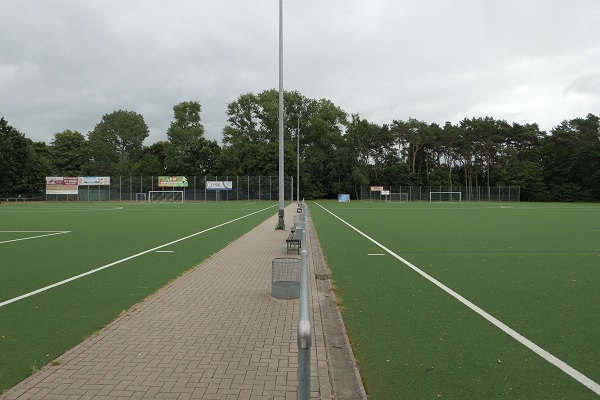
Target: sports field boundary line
[(502, 251), (563, 366), (62, 209), (47, 233), (90, 272)]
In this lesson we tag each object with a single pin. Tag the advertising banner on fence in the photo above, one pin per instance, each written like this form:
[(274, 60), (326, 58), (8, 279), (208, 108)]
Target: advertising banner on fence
[(172, 181), (219, 185), (344, 198), (93, 180), (376, 188), (61, 185)]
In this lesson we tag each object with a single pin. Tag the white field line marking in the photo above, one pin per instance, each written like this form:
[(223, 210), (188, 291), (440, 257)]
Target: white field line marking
[(49, 210), (375, 254), (24, 296), (48, 233), (572, 372), (164, 251)]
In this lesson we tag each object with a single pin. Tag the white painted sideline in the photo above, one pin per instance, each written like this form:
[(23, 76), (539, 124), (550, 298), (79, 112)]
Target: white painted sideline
[(24, 296), (572, 372), (46, 233)]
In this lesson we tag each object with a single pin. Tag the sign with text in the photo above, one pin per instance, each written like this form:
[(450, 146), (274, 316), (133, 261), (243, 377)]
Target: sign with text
[(61, 185), (344, 198), (172, 181), (61, 180), (376, 188), (219, 185), (93, 180)]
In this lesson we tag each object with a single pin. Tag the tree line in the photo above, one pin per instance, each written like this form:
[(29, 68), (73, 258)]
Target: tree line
[(339, 152)]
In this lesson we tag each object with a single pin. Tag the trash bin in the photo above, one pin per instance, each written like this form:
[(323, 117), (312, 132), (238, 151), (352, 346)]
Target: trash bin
[(299, 218), (285, 282), (299, 221)]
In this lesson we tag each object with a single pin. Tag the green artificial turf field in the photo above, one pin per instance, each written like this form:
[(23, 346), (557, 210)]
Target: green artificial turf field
[(534, 267), (42, 244)]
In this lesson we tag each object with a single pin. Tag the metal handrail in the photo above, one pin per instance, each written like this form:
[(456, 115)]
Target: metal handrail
[(304, 327)]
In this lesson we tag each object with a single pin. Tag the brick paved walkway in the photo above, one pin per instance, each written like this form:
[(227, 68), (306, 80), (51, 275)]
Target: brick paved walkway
[(215, 333)]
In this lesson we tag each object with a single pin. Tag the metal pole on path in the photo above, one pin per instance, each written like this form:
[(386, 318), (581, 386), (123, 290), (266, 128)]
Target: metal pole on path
[(281, 223)]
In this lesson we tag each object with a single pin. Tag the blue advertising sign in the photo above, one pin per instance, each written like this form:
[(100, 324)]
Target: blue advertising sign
[(344, 198)]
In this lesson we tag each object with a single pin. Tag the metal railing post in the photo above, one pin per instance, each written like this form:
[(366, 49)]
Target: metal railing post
[(304, 332)]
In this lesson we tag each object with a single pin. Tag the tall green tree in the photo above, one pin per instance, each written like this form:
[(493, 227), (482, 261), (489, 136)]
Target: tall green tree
[(396, 172), (186, 126), (189, 153), (251, 137), (448, 140), (44, 165), (412, 136), (527, 175), (69, 152), (487, 135), (116, 143), (519, 162), (526, 140), (152, 161), (370, 145), (325, 175), (17, 161), (148, 165), (571, 160), (250, 140)]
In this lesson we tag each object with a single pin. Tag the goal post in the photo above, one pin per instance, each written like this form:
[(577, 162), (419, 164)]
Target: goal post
[(398, 197), (171, 196), (140, 197), (445, 196)]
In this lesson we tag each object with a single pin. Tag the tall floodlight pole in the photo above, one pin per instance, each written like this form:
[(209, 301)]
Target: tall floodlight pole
[(298, 164), (281, 223)]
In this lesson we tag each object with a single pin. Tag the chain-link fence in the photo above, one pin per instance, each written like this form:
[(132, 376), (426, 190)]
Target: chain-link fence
[(142, 188), (260, 188), (440, 193)]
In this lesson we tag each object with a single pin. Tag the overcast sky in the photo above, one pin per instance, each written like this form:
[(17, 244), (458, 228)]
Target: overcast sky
[(66, 63)]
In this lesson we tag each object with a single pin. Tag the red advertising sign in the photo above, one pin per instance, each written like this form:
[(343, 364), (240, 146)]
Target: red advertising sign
[(61, 185), (61, 180)]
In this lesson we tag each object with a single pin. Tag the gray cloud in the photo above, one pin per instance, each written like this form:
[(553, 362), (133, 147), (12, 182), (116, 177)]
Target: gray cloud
[(586, 84), (65, 63)]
